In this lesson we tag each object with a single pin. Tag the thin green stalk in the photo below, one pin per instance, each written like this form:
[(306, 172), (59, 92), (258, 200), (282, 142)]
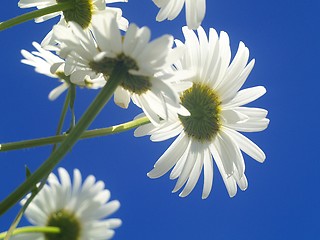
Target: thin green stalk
[(62, 116), (87, 134), (17, 219), (62, 6), (32, 229), (75, 133), (71, 105)]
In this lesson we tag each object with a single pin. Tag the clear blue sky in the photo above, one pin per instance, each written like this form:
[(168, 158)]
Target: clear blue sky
[(282, 200)]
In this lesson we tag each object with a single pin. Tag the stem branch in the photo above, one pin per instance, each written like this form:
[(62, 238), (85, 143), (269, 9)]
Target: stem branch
[(87, 134), (33, 229), (34, 14)]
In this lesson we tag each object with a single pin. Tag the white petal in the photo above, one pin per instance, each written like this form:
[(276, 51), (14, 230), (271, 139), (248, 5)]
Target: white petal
[(228, 181), (194, 175), (188, 166), (169, 158), (176, 171), (122, 97), (208, 174), (58, 91), (230, 91), (246, 145), (252, 125), (221, 145), (171, 131), (148, 110), (234, 153), (245, 96), (144, 130), (253, 113)]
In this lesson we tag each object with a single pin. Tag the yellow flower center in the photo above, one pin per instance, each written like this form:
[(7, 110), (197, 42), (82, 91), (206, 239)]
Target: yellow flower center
[(204, 106), (81, 12), (69, 225), (133, 83)]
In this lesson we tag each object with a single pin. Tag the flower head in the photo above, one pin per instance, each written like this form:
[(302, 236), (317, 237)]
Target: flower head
[(78, 209), (170, 9), (49, 64), (81, 13), (147, 81), (217, 114)]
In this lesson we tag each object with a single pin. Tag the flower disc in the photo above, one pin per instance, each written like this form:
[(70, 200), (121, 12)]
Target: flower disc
[(133, 83), (204, 107), (68, 224), (81, 12)]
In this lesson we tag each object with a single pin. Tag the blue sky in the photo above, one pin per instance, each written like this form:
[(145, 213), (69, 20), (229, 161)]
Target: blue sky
[(282, 200)]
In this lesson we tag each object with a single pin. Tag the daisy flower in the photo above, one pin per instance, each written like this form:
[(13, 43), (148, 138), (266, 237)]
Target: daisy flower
[(146, 82), (81, 13), (43, 61), (170, 9), (215, 103), (78, 209)]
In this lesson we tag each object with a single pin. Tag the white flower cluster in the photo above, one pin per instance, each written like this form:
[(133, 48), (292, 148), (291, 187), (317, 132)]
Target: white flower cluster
[(76, 206), (191, 91)]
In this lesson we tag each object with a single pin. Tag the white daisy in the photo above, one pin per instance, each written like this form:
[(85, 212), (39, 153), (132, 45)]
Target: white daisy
[(44, 61), (170, 9), (144, 62), (215, 102), (78, 209), (82, 13)]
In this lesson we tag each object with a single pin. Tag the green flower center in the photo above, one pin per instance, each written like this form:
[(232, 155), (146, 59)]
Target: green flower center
[(68, 224), (204, 106), (133, 83), (81, 12)]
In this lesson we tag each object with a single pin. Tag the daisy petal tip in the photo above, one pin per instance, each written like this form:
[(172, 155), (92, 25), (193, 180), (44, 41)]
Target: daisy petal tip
[(117, 204), (183, 195), (119, 223), (268, 121), (121, 104), (231, 195), (136, 134), (174, 191), (262, 159), (263, 90), (204, 196), (244, 188), (243, 184), (23, 52), (152, 174)]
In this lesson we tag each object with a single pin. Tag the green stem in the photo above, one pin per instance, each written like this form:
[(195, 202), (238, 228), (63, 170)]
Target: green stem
[(87, 134), (71, 105), (17, 219), (96, 106), (62, 116), (33, 229), (34, 14)]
